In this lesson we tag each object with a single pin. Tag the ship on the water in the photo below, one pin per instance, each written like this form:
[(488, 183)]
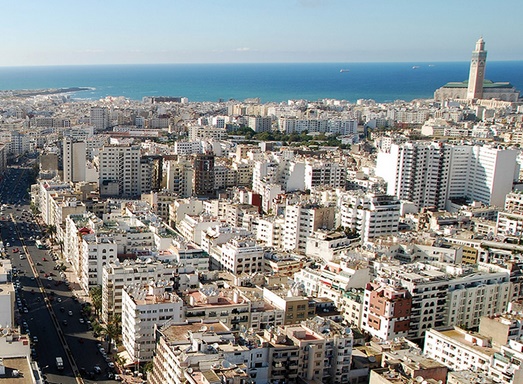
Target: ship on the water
[(344, 70)]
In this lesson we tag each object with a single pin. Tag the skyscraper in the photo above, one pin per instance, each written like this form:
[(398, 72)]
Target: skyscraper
[(431, 174), (477, 71), (74, 155), (204, 175)]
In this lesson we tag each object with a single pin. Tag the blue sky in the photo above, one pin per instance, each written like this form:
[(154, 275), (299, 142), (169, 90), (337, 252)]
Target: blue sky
[(60, 32)]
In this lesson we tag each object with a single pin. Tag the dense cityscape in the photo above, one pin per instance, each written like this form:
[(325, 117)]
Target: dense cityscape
[(169, 241)]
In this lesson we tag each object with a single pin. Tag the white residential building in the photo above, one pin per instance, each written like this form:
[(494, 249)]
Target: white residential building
[(242, 256), (328, 173), (74, 159), (120, 171), (429, 174), (301, 221), (370, 215), (143, 308), (116, 276), (458, 349)]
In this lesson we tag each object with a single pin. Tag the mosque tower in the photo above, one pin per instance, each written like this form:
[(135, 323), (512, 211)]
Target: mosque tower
[(477, 71)]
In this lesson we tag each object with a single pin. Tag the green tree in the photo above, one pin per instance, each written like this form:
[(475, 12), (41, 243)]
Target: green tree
[(96, 299), (112, 331)]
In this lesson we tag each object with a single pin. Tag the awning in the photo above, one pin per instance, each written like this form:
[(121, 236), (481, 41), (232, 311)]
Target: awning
[(128, 361)]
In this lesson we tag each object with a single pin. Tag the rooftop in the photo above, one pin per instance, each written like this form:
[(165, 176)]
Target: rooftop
[(486, 84)]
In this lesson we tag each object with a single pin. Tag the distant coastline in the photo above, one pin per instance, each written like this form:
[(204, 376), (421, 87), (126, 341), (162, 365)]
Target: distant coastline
[(38, 92)]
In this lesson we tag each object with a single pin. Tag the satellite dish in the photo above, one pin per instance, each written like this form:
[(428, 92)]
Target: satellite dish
[(189, 370), (419, 379), (215, 345), (204, 328), (226, 364), (5, 331)]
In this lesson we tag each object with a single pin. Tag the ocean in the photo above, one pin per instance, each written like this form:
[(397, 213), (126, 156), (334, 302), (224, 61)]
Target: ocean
[(382, 82)]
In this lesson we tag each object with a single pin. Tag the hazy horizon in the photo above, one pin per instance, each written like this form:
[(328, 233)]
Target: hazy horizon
[(241, 31)]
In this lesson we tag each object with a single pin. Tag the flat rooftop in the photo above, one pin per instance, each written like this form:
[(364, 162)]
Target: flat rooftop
[(178, 332), (20, 364)]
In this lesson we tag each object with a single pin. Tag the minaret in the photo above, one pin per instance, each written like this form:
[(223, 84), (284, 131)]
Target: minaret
[(477, 71)]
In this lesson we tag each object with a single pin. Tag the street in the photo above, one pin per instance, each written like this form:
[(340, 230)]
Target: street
[(46, 308)]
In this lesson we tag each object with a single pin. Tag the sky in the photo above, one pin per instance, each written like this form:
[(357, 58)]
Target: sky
[(65, 32)]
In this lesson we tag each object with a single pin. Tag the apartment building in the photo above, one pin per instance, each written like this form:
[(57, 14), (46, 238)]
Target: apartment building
[(145, 307), (440, 299), (386, 311), (213, 303), (7, 295), (99, 118), (115, 276), (329, 173), (179, 176), (239, 256), (269, 230), (260, 123), (301, 220), (458, 349), (203, 177), (74, 155), (429, 174), (370, 215), (120, 171), (206, 352)]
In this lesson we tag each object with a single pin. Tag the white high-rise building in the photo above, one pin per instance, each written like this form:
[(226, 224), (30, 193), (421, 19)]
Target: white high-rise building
[(74, 158), (300, 223), (319, 173), (143, 309), (120, 170), (100, 118), (430, 174), (371, 215), (260, 124)]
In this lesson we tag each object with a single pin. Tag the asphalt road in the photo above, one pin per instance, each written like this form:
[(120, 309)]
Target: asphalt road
[(46, 308)]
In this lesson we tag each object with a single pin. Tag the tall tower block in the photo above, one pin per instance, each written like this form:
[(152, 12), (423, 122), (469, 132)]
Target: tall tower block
[(477, 71)]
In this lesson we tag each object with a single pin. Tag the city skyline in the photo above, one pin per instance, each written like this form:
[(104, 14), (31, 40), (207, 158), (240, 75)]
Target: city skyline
[(235, 31)]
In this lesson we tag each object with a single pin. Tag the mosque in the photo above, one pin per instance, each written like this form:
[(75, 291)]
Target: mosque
[(477, 87)]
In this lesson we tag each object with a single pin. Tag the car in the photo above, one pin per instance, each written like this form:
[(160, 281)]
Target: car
[(81, 320), (70, 313), (50, 278), (59, 299), (35, 339), (97, 369), (102, 350), (110, 365), (44, 259), (64, 322), (62, 309)]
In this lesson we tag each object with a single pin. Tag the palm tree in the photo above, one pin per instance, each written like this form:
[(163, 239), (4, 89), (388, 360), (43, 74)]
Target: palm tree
[(96, 298), (51, 231), (112, 332)]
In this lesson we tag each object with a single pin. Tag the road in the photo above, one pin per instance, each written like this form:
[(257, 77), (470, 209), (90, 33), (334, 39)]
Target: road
[(46, 308)]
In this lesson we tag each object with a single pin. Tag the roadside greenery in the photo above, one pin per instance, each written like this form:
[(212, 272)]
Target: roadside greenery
[(294, 138)]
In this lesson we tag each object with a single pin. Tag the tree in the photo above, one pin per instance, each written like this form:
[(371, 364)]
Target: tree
[(51, 231), (112, 331), (96, 298)]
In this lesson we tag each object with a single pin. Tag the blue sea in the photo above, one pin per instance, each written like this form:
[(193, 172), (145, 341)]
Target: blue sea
[(270, 82)]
